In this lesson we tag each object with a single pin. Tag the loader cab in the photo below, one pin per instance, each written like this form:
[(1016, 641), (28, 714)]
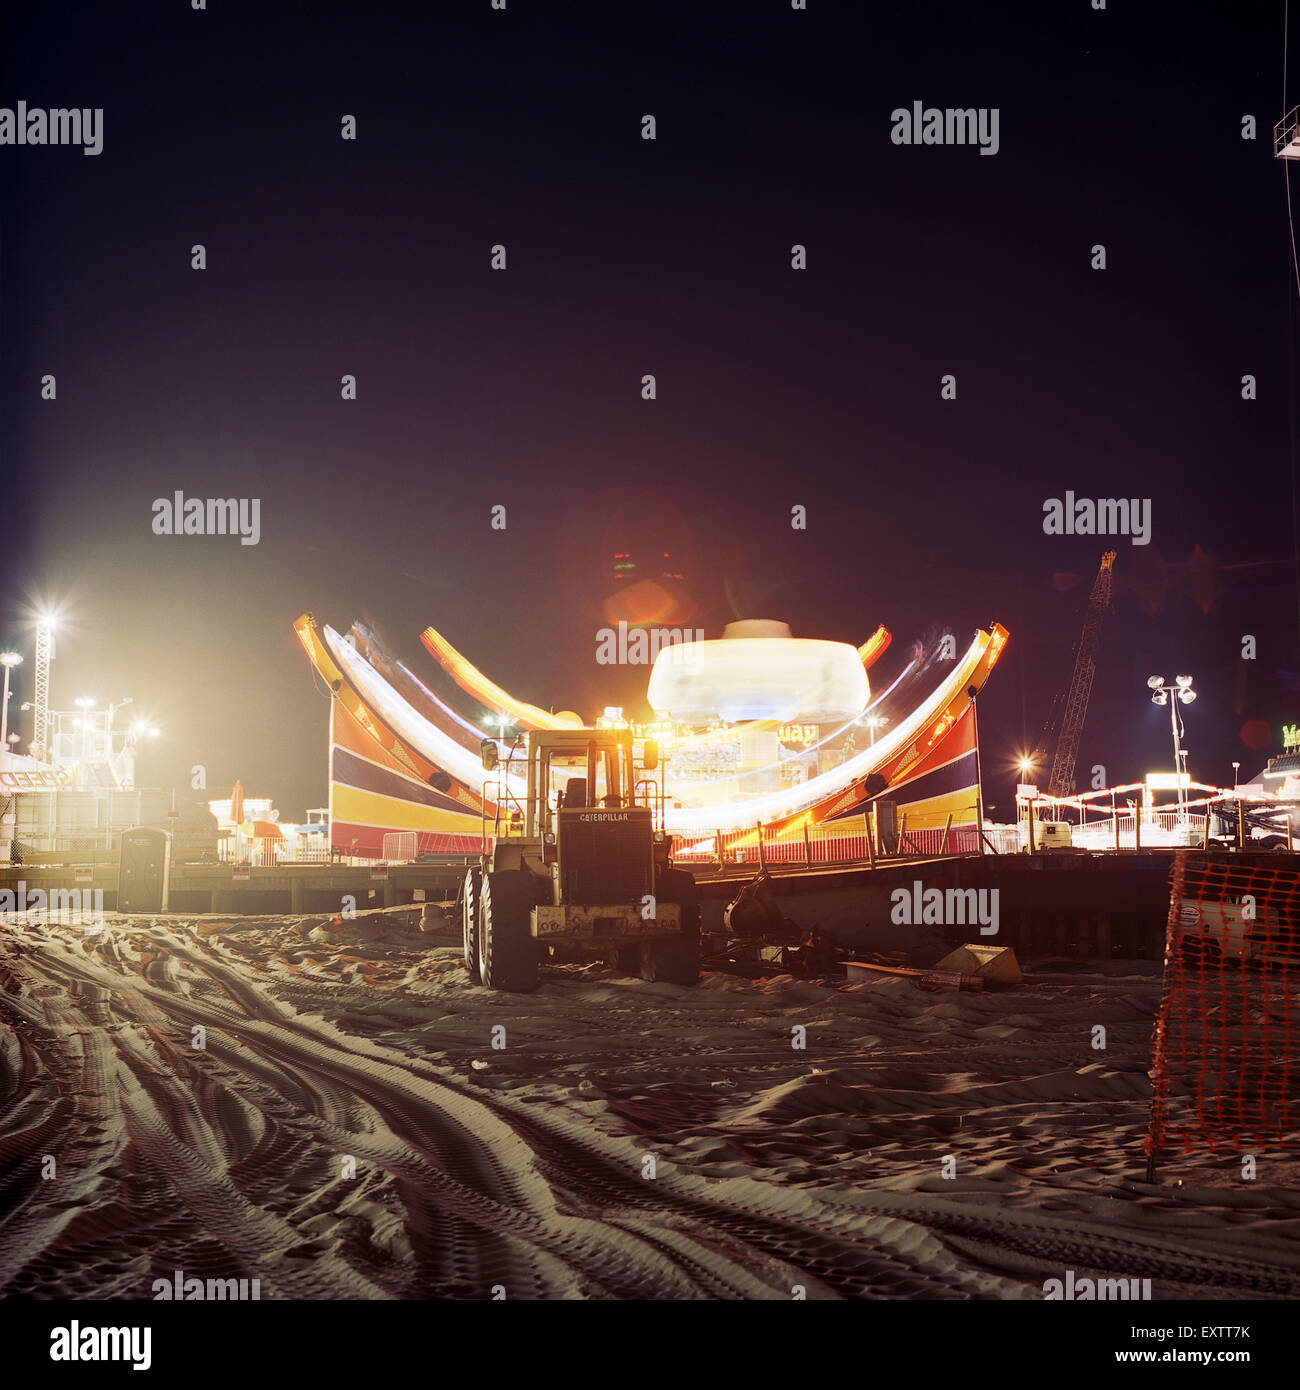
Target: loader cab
[(566, 787), (575, 858), (551, 770), (586, 778)]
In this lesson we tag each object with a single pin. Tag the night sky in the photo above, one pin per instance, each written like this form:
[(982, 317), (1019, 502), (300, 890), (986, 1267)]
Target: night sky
[(775, 387)]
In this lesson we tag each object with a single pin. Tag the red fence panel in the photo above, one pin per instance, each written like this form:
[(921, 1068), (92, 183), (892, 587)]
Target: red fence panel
[(1225, 1074)]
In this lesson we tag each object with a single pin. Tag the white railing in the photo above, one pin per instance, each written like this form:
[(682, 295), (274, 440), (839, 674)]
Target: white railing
[(1286, 133), (1161, 830), (400, 846)]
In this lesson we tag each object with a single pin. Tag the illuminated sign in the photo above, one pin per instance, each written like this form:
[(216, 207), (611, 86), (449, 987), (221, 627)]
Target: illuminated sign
[(1290, 736), (797, 735), (39, 781)]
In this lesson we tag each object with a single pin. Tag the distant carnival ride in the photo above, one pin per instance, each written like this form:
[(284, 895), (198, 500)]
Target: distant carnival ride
[(404, 759)]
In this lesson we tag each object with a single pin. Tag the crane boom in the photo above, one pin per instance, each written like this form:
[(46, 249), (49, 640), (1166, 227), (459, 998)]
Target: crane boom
[(1061, 781)]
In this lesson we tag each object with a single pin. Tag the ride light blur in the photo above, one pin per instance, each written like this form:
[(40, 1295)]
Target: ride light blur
[(758, 671)]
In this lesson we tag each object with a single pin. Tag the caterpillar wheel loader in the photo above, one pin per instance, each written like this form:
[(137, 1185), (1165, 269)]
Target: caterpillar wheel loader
[(575, 863)]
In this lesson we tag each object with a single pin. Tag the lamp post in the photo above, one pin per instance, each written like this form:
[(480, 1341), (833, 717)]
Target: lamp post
[(1183, 694), (500, 720), (1236, 768), (8, 660)]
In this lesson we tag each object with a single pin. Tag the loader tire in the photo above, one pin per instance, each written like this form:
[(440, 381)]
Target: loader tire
[(671, 960), (626, 959), (507, 952), (470, 892), (675, 960), (678, 886)]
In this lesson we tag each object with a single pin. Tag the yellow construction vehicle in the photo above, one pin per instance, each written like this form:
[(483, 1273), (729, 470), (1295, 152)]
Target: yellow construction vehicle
[(575, 861)]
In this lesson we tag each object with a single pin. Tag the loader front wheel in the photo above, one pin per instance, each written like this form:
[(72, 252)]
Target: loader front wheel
[(470, 892), (671, 960), (507, 951)]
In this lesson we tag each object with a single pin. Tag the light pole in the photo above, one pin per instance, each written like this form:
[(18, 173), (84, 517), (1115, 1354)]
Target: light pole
[(874, 722), (85, 704), (1236, 767), (141, 729), (1183, 694), (500, 720), (8, 660)]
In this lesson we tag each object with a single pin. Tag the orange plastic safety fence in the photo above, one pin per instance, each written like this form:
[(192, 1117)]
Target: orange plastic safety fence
[(1226, 1074)]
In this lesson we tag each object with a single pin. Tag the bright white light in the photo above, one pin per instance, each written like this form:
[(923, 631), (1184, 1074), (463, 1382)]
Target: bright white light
[(1186, 696), (406, 722), (1160, 698), (84, 702), (742, 678), (1184, 681), (1155, 682), (11, 659)]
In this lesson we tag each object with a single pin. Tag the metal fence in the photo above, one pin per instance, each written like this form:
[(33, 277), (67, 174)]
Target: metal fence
[(852, 841), (1162, 829), (840, 842), (266, 852), (401, 846)]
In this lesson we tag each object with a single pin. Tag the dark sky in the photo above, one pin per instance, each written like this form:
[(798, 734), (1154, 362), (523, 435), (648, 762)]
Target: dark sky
[(672, 257)]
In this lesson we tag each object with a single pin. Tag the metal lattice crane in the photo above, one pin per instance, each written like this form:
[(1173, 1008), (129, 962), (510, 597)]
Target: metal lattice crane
[(1061, 779)]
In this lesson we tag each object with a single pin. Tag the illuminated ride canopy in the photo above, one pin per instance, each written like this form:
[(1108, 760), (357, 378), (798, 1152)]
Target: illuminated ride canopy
[(499, 702), (786, 679), (911, 743)]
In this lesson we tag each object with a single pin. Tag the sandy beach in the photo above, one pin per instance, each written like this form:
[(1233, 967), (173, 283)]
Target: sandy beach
[(361, 1122)]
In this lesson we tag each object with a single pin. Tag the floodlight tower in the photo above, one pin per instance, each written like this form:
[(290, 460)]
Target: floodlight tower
[(41, 701), (1183, 694)]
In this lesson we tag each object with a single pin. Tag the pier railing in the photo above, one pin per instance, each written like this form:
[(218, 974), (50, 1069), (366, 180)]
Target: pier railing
[(856, 839), (865, 840)]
